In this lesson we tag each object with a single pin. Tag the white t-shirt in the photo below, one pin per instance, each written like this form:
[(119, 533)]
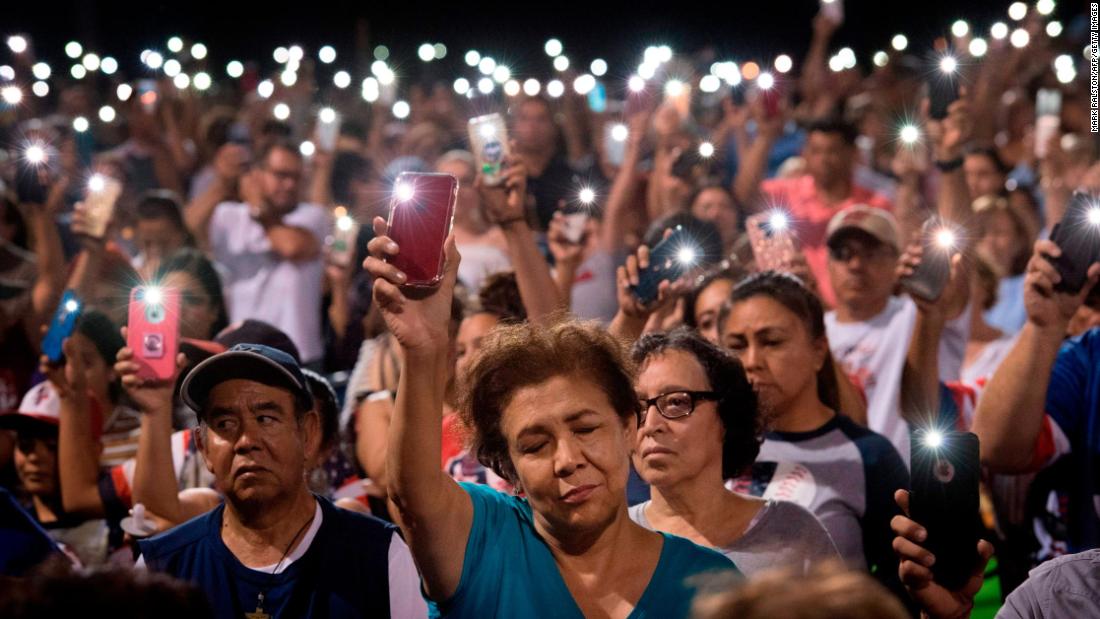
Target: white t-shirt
[(873, 352), (261, 285)]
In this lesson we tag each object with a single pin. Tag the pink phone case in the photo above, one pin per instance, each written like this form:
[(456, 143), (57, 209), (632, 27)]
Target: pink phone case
[(420, 225), (771, 251), (152, 332)]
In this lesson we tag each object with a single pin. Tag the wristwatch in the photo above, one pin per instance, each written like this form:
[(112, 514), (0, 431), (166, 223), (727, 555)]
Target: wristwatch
[(949, 165)]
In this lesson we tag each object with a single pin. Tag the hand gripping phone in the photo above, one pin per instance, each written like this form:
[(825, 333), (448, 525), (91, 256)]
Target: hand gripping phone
[(341, 245), (421, 216), (931, 275), (152, 330), (1078, 236), (99, 204), (668, 261)]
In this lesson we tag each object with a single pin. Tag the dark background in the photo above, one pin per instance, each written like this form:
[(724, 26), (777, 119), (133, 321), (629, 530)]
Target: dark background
[(512, 32)]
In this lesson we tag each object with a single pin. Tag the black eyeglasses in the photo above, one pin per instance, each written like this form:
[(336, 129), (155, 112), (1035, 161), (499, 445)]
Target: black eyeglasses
[(676, 404)]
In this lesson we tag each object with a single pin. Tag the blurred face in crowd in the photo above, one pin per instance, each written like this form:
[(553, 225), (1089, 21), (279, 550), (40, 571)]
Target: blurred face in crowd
[(829, 159), (159, 238), (669, 451), (716, 206), (255, 445), (571, 453), (780, 355), (533, 127), (982, 176), (466, 174), (470, 334), (282, 172), (197, 311), (861, 269), (36, 461), (707, 306), (98, 373), (1001, 242)]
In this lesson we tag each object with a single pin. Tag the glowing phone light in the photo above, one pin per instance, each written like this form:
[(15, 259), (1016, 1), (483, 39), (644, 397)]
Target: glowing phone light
[(97, 183), (686, 255), (933, 439), (404, 192), (945, 239), (778, 221), (706, 150), (1093, 215), (587, 195), (345, 223), (909, 134), (35, 154), (72, 305), (154, 295)]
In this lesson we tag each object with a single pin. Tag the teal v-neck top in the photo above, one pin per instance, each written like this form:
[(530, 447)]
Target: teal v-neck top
[(509, 570)]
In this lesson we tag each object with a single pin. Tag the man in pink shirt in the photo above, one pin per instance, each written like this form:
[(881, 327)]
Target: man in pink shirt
[(826, 188)]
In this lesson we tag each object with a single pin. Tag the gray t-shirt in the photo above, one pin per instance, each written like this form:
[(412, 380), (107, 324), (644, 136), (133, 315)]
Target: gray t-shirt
[(781, 535), (1064, 588)]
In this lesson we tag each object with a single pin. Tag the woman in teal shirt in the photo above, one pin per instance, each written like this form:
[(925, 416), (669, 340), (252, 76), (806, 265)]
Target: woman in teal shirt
[(553, 411)]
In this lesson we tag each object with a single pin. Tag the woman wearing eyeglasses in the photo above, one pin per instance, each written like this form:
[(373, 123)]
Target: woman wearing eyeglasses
[(700, 426), (813, 455)]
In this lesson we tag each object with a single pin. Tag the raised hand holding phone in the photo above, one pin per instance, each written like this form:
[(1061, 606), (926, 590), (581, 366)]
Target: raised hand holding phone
[(153, 331), (418, 318), (150, 395)]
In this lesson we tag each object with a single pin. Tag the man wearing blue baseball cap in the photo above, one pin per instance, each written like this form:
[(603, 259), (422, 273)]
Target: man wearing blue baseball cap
[(273, 549)]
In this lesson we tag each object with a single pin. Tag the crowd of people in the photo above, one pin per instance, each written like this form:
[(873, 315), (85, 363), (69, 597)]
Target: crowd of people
[(531, 435)]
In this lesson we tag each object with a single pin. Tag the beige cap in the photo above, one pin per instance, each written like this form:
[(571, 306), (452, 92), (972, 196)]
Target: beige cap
[(877, 222)]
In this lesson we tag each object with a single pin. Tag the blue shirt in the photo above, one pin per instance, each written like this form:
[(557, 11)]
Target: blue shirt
[(509, 571), (1009, 313), (1072, 401), (344, 573)]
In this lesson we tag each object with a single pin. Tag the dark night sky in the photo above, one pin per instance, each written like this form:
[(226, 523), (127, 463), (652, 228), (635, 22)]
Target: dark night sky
[(514, 32)]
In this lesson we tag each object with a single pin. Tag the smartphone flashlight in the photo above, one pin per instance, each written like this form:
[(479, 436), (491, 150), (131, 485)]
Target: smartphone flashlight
[(909, 134), (154, 295), (949, 64), (706, 150), (778, 221), (35, 154), (404, 192), (933, 439), (765, 81), (587, 195), (96, 183), (674, 88), (72, 305), (327, 115), (1093, 215), (487, 130), (686, 256), (345, 223), (945, 239), (619, 132)]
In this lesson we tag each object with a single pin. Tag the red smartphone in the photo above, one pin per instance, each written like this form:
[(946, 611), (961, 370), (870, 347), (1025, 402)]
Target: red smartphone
[(771, 98), (152, 331), (421, 214)]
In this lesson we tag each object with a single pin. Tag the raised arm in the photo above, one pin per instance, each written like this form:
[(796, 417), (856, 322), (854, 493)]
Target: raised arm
[(920, 376), (154, 475), (506, 206), (434, 513), (1010, 412), (624, 189), (229, 164), (77, 450)]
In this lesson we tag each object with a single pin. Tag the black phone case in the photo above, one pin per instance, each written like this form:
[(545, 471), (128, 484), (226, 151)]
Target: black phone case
[(663, 266), (29, 188), (932, 274), (943, 90), (1079, 241), (944, 500)]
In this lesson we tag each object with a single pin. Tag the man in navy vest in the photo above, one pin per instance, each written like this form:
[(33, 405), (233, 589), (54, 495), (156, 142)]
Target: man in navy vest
[(273, 549)]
